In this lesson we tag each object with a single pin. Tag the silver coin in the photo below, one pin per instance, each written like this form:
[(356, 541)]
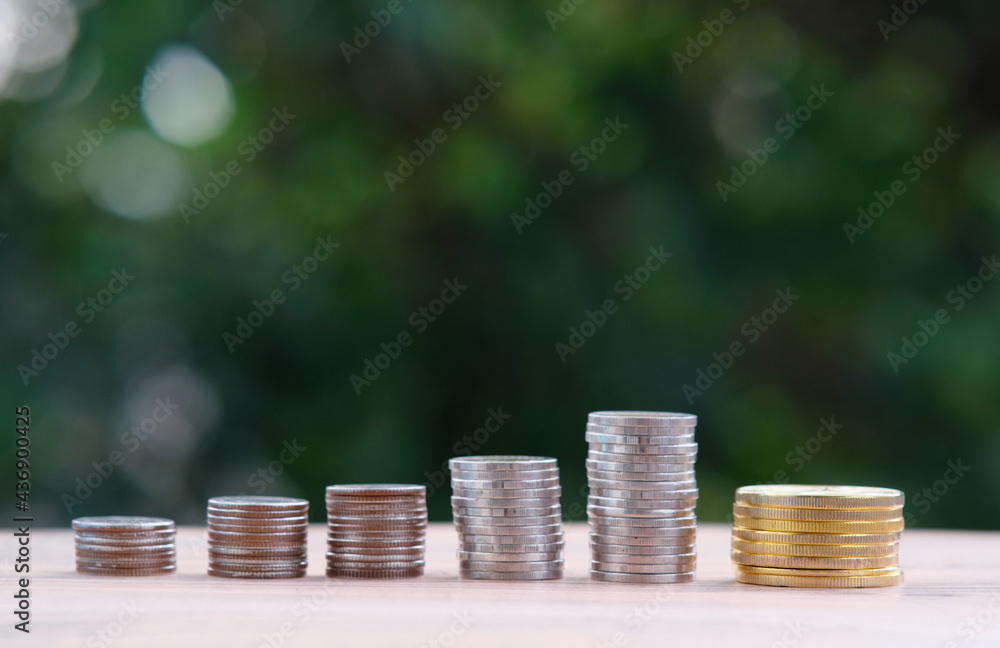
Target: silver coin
[(670, 540), (335, 561), (639, 550), (110, 524), (511, 548), (264, 514), (513, 540), (297, 572), (258, 503), (485, 556), (507, 512), (609, 529), (596, 434), (393, 508), (657, 493), (506, 521), (362, 537), (647, 579), (502, 462), (636, 503), (280, 552), (647, 452), (623, 484), (507, 525), (640, 463), (684, 568), (510, 493), (223, 537), (492, 475), (516, 503), (629, 525), (338, 556), (544, 574), (633, 476), (641, 418), (504, 566), (667, 499), (377, 490), (633, 512), (599, 554), (116, 548), (503, 484)]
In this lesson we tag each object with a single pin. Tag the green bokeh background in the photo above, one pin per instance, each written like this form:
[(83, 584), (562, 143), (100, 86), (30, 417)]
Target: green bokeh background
[(494, 347)]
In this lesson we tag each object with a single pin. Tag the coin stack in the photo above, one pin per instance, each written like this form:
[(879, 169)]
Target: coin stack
[(257, 537), (507, 513), (125, 546), (375, 530), (640, 470), (817, 536)]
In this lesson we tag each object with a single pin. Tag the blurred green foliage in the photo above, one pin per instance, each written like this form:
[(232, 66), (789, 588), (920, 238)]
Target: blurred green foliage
[(494, 347)]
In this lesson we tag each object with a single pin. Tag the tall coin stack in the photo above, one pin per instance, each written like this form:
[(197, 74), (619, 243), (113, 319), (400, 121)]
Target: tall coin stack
[(375, 530), (257, 537), (640, 470), (817, 536), (125, 546), (508, 517)]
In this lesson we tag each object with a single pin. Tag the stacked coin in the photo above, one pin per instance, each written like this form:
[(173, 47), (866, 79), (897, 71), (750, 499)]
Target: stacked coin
[(257, 537), (375, 530), (507, 513), (817, 536), (640, 470), (125, 546)]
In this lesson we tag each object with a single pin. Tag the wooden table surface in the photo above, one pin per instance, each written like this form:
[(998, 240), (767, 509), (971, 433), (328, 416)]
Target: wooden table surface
[(951, 597)]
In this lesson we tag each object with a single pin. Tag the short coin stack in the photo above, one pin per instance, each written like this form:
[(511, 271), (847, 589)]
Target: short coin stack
[(509, 521), (817, 536), (257, 537), (375, 530), (640, 470), (125, 546)]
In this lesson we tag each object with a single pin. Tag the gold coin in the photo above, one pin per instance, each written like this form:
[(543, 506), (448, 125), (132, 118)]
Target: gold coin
[(830, 573), (838, 539), (823, 497), (886, 580), (817, 515), (884, 526), (817, 550), (803, 562)]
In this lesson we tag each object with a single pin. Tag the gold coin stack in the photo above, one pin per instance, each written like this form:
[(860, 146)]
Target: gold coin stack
[(375, 530), (817, 536), (257, 537), (125, 546)]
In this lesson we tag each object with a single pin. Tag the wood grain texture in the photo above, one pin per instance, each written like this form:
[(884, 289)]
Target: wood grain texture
[(950, 577)]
